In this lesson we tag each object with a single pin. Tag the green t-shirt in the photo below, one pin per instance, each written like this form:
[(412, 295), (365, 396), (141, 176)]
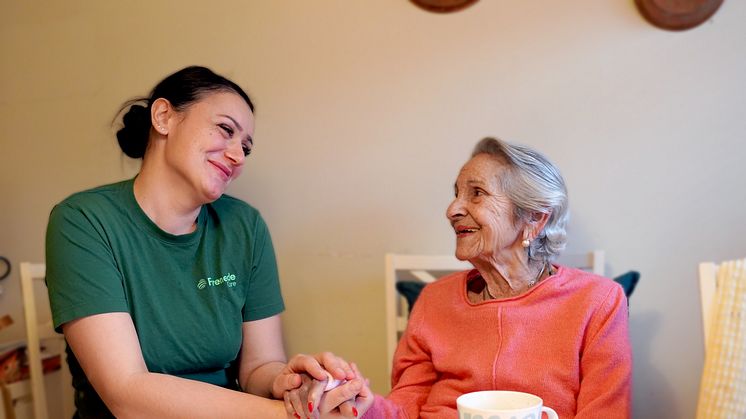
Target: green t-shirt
[(188, 295)]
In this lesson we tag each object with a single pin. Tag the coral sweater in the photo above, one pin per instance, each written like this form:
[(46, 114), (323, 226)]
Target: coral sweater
[(565, 340)]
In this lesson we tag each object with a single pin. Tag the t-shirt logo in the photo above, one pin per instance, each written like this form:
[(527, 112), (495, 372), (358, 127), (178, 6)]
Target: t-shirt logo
[(228, 280)]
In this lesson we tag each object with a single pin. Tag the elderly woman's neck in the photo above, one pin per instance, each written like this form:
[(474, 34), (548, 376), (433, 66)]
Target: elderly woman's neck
[(509, 277)]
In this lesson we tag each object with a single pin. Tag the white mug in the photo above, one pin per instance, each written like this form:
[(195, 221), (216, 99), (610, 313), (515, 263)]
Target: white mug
[(496, 404)]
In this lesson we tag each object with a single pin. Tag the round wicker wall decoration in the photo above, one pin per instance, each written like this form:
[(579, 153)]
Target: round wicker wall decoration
[(677, 15), (443, 6)]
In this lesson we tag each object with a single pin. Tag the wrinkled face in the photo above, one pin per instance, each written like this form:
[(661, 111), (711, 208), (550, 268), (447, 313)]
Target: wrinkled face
[(208, 142), (481, 215)]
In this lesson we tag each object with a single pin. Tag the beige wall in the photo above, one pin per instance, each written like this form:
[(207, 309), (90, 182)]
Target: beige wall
[(365, 112)]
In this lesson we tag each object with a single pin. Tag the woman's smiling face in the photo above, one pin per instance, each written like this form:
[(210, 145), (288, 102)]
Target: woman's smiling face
[(481, 214), (208, 142)]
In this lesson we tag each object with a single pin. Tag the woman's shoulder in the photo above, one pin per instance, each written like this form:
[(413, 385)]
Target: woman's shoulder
[(100, 195), (446, 285), (587, 283)]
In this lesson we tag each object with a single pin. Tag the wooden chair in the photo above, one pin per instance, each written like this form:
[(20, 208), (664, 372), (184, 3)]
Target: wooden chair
[(401, 268), (723, 298), (592, 261), (40, 333), (421, 268), (707, 289)]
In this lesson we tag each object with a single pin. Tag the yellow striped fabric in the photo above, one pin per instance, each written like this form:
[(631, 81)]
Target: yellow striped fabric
[(723, 387)]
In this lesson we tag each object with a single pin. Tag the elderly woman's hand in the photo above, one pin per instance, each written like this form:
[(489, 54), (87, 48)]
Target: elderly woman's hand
[(314, 366), (329, 399)]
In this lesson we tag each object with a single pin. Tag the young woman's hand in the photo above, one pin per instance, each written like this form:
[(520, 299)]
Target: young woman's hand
[(317, 399), (314, 366)]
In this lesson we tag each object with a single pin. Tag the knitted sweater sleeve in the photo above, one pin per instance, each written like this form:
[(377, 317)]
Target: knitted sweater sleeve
[(384, 409), (413, 373), (606, 361)]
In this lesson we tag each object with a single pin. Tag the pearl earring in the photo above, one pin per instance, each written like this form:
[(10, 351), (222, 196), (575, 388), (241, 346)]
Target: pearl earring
[(526, 242)]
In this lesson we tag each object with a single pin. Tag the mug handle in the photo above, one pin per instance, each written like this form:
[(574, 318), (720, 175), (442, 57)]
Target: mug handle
[(551, 414)]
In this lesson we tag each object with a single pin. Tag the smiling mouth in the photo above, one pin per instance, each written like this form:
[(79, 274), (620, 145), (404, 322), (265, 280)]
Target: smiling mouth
[(222, 169), (464, 231)]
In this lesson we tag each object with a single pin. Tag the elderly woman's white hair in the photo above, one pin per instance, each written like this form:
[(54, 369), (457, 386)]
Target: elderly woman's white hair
[(532, 184)]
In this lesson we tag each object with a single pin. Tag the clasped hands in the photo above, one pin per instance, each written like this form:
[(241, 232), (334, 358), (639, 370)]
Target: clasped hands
[(303, 386)]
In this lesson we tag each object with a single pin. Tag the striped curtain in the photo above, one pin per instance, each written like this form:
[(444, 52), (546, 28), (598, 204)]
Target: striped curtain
[(723, 387)]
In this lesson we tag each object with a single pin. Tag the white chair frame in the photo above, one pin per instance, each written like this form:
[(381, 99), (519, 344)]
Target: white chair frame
[(401, 267), (593, 261), (707, 290), (36, 332)]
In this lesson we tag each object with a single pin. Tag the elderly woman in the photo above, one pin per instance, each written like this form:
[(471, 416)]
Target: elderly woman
[(517, 321)]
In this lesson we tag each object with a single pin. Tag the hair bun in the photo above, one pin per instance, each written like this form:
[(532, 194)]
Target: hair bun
[(133, 136)]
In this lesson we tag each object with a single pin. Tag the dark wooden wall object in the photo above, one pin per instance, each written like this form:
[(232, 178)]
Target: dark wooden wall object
[(677, 15), (443, 6)]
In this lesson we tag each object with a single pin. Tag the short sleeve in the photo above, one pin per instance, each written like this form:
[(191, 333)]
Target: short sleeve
[(82, 276), (264, 298)]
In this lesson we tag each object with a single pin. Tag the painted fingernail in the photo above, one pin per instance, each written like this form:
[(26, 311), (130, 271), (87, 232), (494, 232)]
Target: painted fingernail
[(354, 412), (310, 406), (297, 416)]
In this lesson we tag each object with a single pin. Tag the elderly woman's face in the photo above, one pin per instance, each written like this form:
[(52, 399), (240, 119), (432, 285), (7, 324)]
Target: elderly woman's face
[(481, 215)]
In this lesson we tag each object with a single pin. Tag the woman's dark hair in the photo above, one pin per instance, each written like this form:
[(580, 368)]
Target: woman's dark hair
[(181, 89)]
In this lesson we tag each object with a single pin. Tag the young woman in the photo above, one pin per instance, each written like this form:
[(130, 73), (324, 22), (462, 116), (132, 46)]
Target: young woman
[(165, 288)]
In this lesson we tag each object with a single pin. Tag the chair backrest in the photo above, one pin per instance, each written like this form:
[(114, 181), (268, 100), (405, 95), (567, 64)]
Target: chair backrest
[(592, 261), (723, 292), (707, 289), (413, 269), (31, 272), (418, 268), (42, 340)]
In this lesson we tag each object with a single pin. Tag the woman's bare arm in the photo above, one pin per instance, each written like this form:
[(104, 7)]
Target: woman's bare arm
[(107, 347)]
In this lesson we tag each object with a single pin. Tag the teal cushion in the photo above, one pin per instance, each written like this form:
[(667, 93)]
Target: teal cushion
[(410, 290), (628, 281)]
